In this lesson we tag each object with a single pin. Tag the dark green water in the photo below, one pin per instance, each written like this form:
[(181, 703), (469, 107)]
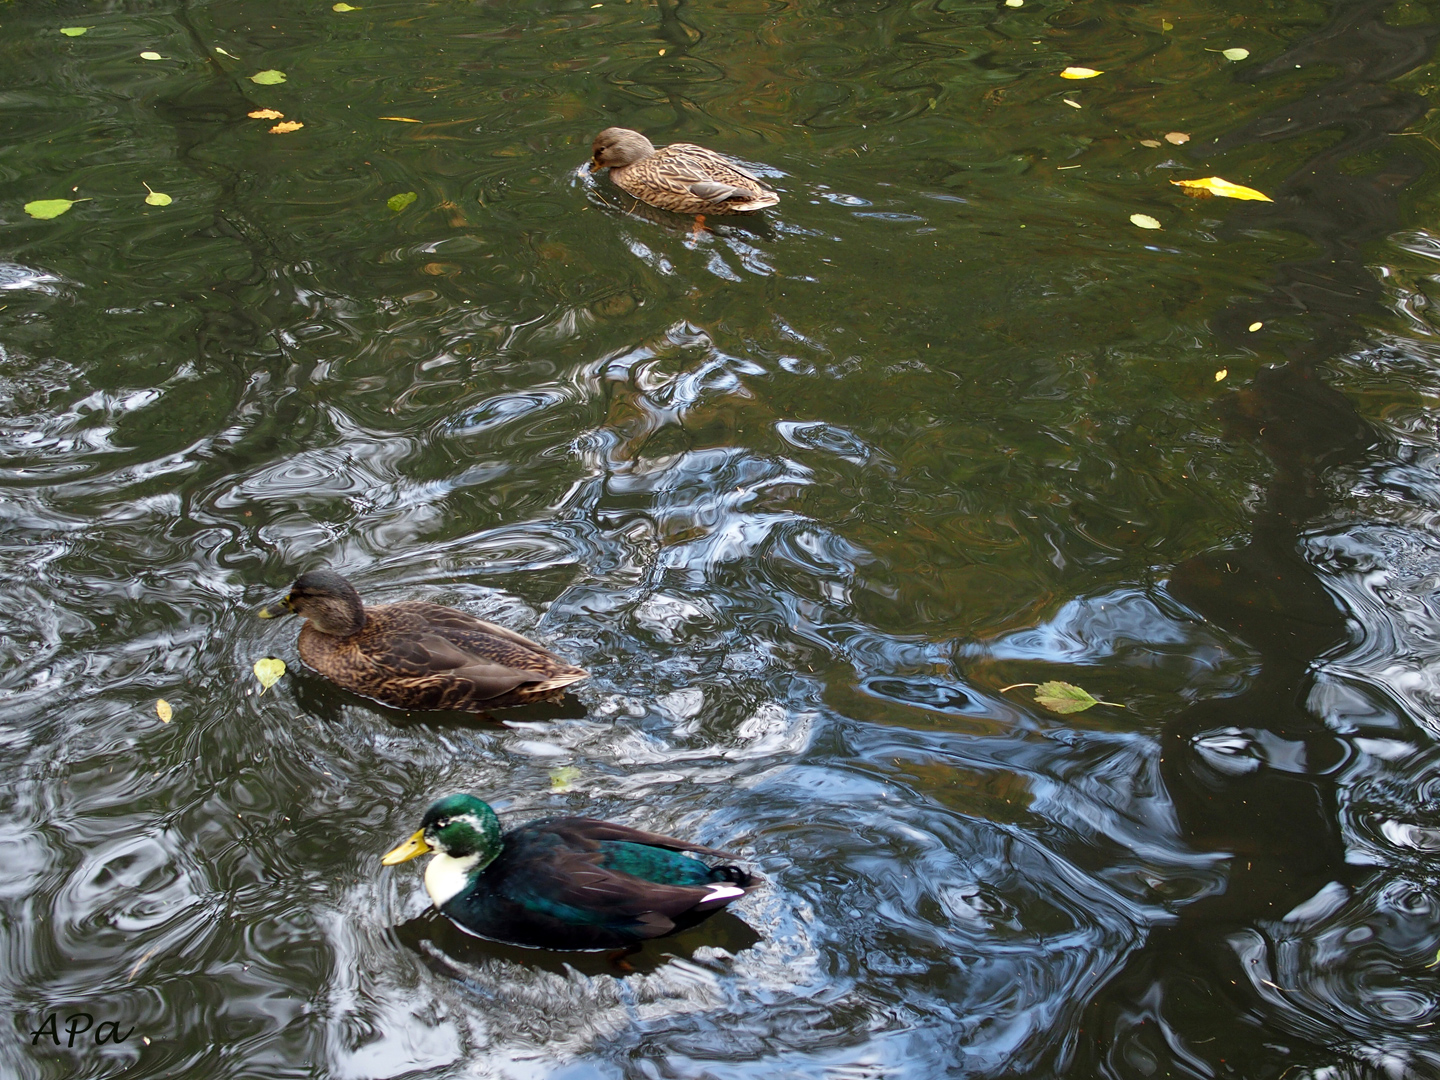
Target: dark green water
[(804, 493)]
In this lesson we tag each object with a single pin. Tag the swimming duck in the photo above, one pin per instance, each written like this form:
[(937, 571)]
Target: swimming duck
[(682, 177), (415, 655), (565, 883)]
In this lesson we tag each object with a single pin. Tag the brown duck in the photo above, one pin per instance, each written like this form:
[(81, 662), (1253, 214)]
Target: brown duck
[(415, 655), (682, 177)]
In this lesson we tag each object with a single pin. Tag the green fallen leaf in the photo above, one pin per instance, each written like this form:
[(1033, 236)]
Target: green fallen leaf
[(1235, 54), (1435, 962), (563, 778), (73, 31), (156, 198), (268, 77), (1064, 697), (399, 202), (1166, 25), (44, 209), (268, 670)]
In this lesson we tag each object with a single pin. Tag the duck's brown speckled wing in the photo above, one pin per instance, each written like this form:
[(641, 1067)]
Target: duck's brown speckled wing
[(690, 179), (424, 656)]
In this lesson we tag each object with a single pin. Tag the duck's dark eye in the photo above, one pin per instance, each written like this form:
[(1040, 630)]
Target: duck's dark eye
[(442, 823)]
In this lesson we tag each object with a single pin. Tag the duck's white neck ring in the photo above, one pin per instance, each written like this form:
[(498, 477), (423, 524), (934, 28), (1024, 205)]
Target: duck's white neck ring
[(446, 876)]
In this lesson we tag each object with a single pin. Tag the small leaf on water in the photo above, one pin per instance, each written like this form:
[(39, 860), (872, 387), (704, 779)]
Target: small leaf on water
[(1080, 73), (44, 209), (1151, 142), (1235, 54), (1014, 3), (1064, 697), (343, 7), (266, 114), (156, 198), (151, 56), (222, 52), (1255, 326), (73, 31), (1224, 188), (1435, 962), (1219, 375), (268, 670), (562, 779), (162, 710), (268, 77), (286, 126), (1166, 25), (1145, 221), (401, 201), (1072, 104), (662, 52), (1177, 137), (402, 119)]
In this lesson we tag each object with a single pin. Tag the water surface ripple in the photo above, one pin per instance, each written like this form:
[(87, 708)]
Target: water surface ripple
[(809, 495)]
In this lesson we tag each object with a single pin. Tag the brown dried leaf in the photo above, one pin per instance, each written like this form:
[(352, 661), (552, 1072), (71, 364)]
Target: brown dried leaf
[(1177, 137)]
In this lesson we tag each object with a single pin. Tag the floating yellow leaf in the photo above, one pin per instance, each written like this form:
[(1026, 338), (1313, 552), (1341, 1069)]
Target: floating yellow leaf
[(1213, 185), (402, 119), (156, 198), (662, 52), (74, 31), (266, 114), (1235, 54), (44, 209), (1166, 25), (1435, 962), (1145, 221), (268, 670), (1255, 326), (1064, 697), (1014, 3), (286, 126), (401, 201), (1151, 142), (151, 56), (1080, 73), (162, 710), (562, 779), (222, 52), (1176, 137), (268, 77), (1072, 104), (1220, 375), (343, 7)]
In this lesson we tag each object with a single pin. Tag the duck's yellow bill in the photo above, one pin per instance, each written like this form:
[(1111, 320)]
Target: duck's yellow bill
[(416, 845), (276, 610)]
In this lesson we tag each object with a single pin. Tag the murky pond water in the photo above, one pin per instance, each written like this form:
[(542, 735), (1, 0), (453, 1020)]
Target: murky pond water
[(808, 494)]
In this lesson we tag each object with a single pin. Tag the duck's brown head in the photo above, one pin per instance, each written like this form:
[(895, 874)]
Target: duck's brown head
[(326, 599), (617, 147)]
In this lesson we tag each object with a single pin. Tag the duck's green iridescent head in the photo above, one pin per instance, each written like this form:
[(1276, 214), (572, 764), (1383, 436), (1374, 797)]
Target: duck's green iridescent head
[(460, 826)]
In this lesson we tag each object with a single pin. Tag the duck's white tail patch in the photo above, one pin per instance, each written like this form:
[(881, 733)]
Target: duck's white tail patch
[(720, 893)]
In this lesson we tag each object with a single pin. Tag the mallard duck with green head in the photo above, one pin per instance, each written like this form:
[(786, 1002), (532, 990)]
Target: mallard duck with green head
[(565, 883), (414, 655), (681, 177)]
